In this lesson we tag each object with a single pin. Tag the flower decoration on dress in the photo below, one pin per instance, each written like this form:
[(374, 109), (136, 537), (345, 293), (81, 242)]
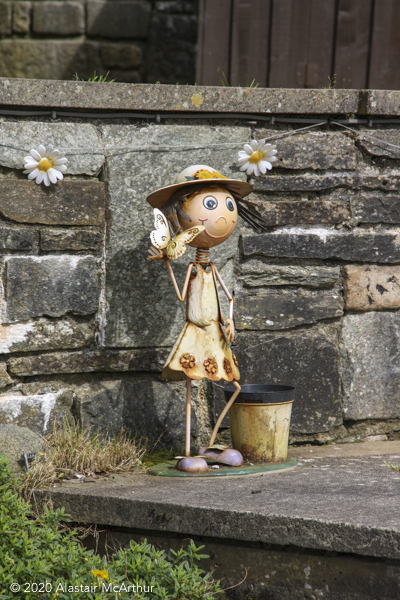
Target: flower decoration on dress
[(227, 366), (256, 157), (210, 366), (45, 164), (187, 360), (235, 360)]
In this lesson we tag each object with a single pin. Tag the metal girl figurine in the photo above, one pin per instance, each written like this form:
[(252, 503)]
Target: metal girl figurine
[(201, 210)]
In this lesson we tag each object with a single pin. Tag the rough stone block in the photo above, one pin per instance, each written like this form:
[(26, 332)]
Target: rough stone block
[(315, 150), (371, 287), (306, 182), (62, 240), (123, 56), (15, 441), (21, 17), (44, 334), (301, 211), (258, 310), (25, 239), (140, 360), (383, 246), (71, 203), (166, 62), (310, 364), (50, 285), (5, 18), (157, 410), (370, 367), (5, 379), (58, 18), (255, 273), (38, 412), (83, 148), (144, 310), (382, 143), (374, 208), (119, 19)]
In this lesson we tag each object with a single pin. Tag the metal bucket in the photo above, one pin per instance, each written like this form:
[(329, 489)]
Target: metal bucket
[(259, 420)]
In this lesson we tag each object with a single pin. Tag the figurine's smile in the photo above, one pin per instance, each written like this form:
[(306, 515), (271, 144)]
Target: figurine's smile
[(217, 237)]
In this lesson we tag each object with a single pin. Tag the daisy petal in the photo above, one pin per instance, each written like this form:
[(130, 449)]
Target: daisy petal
[(241, 154), (42, 150), (33, 174), (46, 178), (28, 158), (40, 177), (52, 175), (272, 158), (248, 149), (260, 144), (55, 154), (268, 165), (254, 144), (243, 167), (49, 150), (61, 168), (36, 154), (262, 166), (58, 174), (243, 160), (29, 169), (250, 169), (60, 161), (256, 171)]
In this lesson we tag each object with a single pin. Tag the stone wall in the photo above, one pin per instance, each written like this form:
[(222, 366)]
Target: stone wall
[(135, 40), (87, 319)]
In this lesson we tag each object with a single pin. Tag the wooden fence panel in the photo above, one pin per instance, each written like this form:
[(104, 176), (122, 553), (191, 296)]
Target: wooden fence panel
[(352, 43), (249, 50), (214, 35), (302, 43), (385, 51)]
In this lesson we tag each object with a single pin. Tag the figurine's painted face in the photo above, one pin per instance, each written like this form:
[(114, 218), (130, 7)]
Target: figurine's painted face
[(216, 210)]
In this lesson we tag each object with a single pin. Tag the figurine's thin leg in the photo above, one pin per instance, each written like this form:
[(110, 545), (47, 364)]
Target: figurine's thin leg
[(221, 416), (188, 414)]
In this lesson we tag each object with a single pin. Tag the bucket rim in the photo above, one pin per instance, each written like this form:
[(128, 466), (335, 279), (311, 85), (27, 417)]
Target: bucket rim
[(262, 403), (246, 388)]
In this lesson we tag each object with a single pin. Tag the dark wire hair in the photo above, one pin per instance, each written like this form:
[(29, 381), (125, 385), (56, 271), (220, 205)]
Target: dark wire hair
[(175, 206)]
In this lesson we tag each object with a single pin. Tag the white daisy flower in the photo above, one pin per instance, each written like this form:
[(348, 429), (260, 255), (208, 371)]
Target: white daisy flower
[(256, 157), (45, 164)]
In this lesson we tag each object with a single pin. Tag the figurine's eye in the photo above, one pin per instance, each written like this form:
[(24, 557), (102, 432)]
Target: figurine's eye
[(210, 202), (229, 204)]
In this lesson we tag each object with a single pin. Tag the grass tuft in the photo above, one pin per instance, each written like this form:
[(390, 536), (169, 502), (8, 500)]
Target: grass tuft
[(392, 466), (73, 451)]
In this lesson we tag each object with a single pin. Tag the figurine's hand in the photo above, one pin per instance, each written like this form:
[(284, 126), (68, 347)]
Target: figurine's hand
[(155, 253), (230, 330)]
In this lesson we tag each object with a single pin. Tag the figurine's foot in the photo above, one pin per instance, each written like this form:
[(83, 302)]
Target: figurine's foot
[(230, 457), (192, 464)]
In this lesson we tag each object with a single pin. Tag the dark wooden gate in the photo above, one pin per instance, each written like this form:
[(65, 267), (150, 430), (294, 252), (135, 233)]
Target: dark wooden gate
[(300, 43)]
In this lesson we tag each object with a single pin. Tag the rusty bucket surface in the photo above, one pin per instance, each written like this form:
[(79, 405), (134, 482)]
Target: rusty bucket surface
[(259, 420)]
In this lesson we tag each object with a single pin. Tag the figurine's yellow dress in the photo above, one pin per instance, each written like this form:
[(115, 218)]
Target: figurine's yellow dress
[(201, 349)]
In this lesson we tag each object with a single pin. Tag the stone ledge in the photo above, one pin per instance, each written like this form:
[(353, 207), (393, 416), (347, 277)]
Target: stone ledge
[(319, 505), (151, 97)]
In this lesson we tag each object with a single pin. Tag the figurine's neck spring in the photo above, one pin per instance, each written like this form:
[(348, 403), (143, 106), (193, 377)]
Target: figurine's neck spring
[(202, 256)]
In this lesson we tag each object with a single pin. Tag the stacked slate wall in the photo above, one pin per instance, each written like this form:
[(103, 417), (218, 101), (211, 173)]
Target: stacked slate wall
[(135, 40), (87, 319)]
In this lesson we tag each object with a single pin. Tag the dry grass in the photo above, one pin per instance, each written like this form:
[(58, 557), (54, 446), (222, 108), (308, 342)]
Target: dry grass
[(392, 466), (71, 451)]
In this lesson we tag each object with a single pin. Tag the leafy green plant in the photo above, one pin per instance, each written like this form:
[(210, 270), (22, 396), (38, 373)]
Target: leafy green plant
[(331, 82), (43, 550), (392, 466), (95, 78)]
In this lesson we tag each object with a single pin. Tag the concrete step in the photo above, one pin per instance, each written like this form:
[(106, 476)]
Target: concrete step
[(335, 518)]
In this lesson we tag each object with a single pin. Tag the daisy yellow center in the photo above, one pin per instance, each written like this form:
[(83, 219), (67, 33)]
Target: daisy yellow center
[(45, 164), (256, 156)]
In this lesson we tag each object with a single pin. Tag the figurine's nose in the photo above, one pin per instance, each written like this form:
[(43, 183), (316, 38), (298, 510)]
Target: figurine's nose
[(221, 217)]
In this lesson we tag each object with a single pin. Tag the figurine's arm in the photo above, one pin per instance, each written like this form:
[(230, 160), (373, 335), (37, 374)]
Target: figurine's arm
[(180, 296), (156, 254), (230, 329)]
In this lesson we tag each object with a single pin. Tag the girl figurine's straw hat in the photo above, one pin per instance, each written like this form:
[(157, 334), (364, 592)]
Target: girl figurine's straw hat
[(197, 174)]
